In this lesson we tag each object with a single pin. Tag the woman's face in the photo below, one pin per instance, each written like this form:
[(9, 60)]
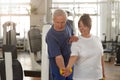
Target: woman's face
[(83, 29)]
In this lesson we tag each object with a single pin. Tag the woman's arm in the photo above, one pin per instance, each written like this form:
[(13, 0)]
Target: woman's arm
[(71, 62), (103, 71)]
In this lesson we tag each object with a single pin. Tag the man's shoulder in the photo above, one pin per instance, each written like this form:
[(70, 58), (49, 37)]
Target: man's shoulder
[(50, 30), (68, 20), (49, 33)]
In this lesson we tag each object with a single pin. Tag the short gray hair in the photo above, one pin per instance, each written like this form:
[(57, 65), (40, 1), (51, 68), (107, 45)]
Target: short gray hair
[(59, 12)]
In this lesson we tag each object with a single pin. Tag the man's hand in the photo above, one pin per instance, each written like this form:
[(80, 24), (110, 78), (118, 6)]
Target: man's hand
[(66, 72), (73, 39)]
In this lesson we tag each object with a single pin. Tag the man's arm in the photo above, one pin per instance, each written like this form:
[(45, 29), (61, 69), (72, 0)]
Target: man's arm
[(73, 39), (60, 61)]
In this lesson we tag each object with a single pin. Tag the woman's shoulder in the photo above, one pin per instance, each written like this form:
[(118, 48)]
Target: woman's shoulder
[(77, 42), (96, 37)]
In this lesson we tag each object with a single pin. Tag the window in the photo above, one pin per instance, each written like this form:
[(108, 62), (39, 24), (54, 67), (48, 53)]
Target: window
[(77, 8), (15, 11)]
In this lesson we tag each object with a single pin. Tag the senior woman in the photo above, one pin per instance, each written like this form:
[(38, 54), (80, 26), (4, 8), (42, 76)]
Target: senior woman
[(86, 54)]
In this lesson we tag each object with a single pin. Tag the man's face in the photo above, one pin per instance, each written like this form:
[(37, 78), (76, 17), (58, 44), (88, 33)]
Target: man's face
[(59, 23)]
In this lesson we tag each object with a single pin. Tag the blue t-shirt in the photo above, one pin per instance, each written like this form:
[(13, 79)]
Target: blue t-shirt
[(58, 44)]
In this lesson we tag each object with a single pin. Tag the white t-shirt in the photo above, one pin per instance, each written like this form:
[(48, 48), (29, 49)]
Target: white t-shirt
[(89, 52)]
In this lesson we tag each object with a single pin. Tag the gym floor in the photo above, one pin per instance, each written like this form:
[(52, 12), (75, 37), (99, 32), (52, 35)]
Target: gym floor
[(112, 72), (25, 60)]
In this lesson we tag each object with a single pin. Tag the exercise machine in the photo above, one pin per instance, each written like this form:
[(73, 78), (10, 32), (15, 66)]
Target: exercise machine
[(45, 61), (117, 59), (35, 44), (38, 45), (10, 67)]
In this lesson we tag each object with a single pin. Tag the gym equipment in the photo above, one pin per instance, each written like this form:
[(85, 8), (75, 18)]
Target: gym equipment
[(10, 67), (34, 39), (45, 61), (9, 32), (61, 71), (38, 45), (109, 48), (117, 59)]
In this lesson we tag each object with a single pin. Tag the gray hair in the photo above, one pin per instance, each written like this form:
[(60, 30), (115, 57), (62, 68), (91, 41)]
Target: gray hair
[(59, 12)]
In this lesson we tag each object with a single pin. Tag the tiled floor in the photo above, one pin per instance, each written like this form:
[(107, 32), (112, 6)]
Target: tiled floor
[(25, 60), (112, 72)]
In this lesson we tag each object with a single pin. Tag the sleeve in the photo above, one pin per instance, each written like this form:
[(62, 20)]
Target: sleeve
[(100, 44), (53, 46), (74, 49)]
